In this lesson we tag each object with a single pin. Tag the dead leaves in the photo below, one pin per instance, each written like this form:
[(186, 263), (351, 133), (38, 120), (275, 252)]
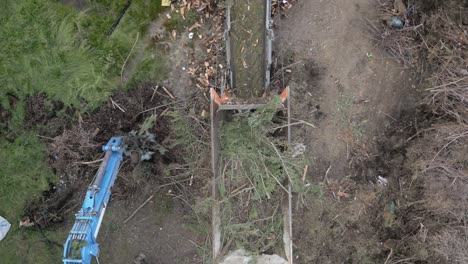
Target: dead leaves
[(182, 12), (195, 26), (203, 68), (341, 190), (209, 69), (280, 7), (206, 70)]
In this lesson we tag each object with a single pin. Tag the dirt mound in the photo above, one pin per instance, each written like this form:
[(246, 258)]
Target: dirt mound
[(426, 176), (435, 191)]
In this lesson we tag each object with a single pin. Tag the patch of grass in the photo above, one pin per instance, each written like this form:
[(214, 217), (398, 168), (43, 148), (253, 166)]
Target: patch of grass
[(27, 245), (181, 130), (24, 173), (50, 48), (39, 53), (184, 135), (15, 123), (138, 16), (358, 129), (343, 107), (152, 65), (344, 118), (149, 62), (178, 23)]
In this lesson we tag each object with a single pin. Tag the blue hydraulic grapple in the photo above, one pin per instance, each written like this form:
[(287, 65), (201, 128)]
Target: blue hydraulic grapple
[(81, 243)]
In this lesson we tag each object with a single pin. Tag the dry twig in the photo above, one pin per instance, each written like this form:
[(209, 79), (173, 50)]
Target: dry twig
[(138, 209), (128, 56)]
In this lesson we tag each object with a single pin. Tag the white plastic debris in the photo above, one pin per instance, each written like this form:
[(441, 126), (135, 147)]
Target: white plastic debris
[(382, 181), (237, 257), (271, 259), (146, 155), (242, 257), (4, 227), (190, 35), (298, 150)]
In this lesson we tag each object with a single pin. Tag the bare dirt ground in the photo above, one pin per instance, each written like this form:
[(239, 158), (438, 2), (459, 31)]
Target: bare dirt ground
[(343, 80), (344, 84), (159, 231)]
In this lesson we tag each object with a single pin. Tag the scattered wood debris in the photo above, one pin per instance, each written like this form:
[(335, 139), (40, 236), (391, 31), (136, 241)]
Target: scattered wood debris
[(208, 70), (204, 69), (280, 6)]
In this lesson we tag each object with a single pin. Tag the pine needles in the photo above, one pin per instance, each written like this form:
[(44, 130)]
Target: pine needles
[(258, 166), (253, 154)]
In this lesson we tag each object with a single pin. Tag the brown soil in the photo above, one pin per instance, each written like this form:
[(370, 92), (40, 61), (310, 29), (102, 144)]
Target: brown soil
[(433, 202), (352, 92), (342, 83), (72, 146), (160, 230), (369, 124)]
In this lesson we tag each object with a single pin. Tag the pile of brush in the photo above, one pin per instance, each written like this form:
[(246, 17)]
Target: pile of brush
[(432, 39), (258, 167)]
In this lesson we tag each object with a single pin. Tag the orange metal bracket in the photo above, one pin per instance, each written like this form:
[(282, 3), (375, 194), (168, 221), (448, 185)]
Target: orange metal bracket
[(220, 100)]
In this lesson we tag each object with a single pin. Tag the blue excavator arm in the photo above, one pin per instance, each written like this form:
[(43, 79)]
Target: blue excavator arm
[(81, 245)]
